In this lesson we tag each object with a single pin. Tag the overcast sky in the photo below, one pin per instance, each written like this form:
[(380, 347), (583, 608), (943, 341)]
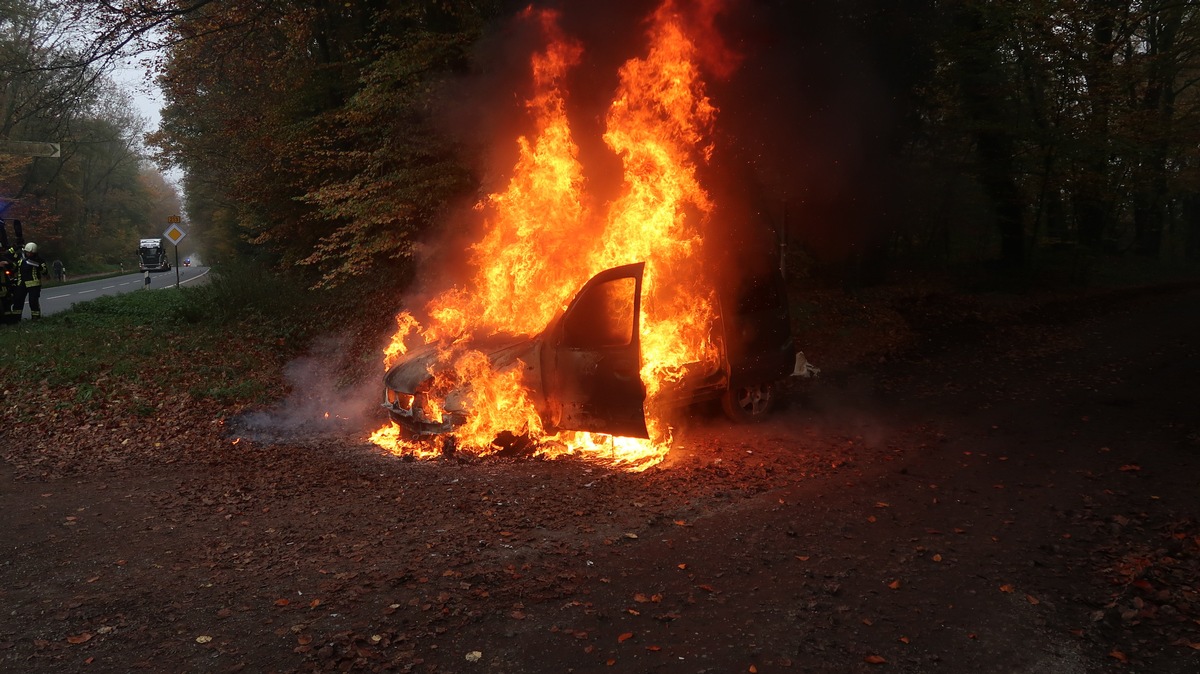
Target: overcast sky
[(148, 100), (146, 95)]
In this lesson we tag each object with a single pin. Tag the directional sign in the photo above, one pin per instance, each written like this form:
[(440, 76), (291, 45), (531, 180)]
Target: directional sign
[(175, 234), (29, 149)]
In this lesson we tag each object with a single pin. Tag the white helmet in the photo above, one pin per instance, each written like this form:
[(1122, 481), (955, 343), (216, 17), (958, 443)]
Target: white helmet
[(31, 247)]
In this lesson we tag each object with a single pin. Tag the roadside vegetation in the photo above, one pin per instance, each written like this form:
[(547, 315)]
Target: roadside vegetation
[(161, 365)]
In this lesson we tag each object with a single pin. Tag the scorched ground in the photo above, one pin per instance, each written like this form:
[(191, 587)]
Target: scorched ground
[(1008, 493)]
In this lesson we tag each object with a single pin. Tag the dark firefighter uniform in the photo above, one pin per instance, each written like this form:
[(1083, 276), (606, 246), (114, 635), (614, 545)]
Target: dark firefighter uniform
[(10, 280), (33, 270)]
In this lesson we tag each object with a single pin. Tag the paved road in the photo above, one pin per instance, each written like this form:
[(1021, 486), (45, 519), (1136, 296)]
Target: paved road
[(60, 298)]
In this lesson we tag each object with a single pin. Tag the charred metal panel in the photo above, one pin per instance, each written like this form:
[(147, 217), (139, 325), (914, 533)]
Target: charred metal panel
[(593, 382)]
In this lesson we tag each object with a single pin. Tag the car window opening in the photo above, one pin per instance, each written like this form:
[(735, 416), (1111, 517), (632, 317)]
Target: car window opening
[(602, 317)]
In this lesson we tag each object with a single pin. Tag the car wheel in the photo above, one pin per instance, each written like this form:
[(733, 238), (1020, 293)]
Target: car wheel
[(748, 404)]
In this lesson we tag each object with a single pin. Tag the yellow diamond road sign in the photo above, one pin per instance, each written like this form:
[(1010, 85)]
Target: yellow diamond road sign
[(175, 234)]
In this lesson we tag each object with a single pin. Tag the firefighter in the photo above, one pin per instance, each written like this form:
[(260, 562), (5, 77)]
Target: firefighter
[(33, 270), (9, 284)]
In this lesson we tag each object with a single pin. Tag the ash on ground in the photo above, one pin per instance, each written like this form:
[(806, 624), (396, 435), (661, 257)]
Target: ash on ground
[(317, 408)]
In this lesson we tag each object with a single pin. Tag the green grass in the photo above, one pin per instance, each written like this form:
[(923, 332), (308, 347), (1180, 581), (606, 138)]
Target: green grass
[(224, 341)]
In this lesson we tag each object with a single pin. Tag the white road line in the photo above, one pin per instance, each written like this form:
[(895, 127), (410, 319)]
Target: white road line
[(86, 291), (57, 297), (107, 287)]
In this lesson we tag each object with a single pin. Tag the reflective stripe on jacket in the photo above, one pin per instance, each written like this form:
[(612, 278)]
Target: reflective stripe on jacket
[(32, 272)]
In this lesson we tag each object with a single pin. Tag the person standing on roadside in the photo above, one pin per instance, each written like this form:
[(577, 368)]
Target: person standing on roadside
[(10, 269), (60, 272), (33, 270)]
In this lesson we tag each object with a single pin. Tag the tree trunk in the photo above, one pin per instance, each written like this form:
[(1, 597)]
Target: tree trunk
[(1150, 202), (982, 85)]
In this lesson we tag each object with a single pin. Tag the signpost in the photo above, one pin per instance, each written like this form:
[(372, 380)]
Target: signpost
[(175, 234), (27, 148)]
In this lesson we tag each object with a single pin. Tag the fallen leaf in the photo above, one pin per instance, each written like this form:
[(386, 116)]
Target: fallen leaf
[(1032, 599), (875, 659), (625, 636), (80, 638), (1007, 588), (203, 639), (683, 566), (803, 558), (895, 584), (474, 656), (611, 662), (304, 639), (1114, 653), (1129, 468), (653, 647), (640, 598), (707, 588), (314, 603), (937, 558), (904, 640), (517, 615), (753, 669)]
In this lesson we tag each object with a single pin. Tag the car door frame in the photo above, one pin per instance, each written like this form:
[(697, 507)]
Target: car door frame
[(596, 388)]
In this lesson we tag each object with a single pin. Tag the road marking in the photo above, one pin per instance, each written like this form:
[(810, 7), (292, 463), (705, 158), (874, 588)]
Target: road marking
[(107, 287), (57, 297), (86, 291)]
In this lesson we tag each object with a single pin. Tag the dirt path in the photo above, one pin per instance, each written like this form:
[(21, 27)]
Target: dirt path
[(1011, 496)]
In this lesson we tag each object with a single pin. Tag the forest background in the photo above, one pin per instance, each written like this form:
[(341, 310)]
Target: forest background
[(1048, 139)]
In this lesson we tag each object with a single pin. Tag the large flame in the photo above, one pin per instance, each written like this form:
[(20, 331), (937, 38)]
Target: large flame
[(542, 243)]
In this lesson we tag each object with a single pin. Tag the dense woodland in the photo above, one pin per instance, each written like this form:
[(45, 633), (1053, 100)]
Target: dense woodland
[(332, 137)]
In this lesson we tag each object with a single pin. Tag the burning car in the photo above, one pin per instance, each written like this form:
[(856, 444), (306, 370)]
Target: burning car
[(515, 347), (582, 372)]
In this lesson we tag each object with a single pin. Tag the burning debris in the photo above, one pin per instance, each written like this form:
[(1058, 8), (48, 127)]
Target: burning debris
[(534, 355)]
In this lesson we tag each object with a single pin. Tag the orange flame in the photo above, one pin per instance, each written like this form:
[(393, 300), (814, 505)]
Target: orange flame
[(542, 243)]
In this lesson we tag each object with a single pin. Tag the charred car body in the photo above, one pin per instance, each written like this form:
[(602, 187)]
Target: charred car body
[(582, 371)]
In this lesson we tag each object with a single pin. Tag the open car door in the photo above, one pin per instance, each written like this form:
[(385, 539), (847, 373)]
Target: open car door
[(593, 382)]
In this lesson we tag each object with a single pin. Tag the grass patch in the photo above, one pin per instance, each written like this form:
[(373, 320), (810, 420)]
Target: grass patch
[(224, 341)]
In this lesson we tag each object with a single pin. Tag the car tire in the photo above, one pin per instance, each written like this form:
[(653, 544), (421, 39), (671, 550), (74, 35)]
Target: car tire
[(748, 404)]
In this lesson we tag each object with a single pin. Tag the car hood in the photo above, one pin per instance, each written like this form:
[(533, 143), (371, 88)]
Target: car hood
[(414, 372)]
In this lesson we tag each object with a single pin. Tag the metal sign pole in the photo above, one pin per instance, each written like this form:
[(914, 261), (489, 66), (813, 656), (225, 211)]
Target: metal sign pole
[(176, 265)]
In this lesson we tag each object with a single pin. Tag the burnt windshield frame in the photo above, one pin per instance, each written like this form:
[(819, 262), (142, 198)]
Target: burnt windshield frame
[(603, 316)]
